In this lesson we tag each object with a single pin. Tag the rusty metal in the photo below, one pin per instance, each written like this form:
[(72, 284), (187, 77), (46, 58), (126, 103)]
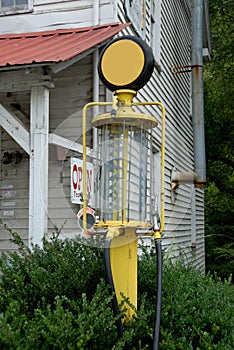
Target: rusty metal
[(53, 46), (184, 69)]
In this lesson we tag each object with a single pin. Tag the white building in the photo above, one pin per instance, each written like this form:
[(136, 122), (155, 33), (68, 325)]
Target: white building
[(48, 58)]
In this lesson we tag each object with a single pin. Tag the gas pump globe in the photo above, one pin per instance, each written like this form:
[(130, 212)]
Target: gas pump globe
[(124, 141), (122, 162)]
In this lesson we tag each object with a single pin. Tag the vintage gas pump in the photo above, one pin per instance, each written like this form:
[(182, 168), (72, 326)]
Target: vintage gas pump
[(122, 167)]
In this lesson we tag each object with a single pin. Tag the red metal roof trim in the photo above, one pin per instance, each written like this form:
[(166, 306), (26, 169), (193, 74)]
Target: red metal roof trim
[(53, 46)]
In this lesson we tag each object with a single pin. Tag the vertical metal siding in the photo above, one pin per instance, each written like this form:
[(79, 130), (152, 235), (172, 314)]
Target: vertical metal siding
[(174, 92)]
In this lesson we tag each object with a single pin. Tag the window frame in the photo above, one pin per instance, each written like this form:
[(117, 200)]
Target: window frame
[(15, 9)]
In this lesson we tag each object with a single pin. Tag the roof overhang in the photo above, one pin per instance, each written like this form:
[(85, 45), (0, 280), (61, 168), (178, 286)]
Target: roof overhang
[(57, 49)]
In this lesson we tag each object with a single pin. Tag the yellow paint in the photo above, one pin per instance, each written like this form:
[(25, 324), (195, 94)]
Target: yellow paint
[(122, 62), (112, 232), (125, 96), (123, 254), (157, 235), (120, 225), (125, 114)]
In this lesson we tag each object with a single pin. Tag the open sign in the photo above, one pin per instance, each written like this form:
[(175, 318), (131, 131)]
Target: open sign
[(77, 176)]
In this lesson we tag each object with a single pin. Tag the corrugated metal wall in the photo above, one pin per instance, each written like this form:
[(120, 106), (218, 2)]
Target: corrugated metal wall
[(174, 92)]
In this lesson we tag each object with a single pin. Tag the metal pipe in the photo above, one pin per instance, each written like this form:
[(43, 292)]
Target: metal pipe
[(95, 111), (84, 115), (96, 12), (197, 89), (124, 164), (95, 93)]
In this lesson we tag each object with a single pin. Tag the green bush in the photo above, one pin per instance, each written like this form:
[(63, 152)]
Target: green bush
[(54, 271), (56, 298), (199, 310)]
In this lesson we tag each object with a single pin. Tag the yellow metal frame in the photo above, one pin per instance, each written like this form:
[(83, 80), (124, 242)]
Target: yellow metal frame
[(123, 249), (84, 114), (157, 233), (114, 104)]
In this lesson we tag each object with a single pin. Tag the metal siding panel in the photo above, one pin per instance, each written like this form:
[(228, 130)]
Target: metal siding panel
[(52, 46), (174, 92)]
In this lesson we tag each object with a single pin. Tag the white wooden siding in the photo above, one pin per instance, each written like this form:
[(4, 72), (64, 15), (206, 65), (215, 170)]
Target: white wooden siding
[(14, 178), (73, 90), (59, 14), (14, 185)]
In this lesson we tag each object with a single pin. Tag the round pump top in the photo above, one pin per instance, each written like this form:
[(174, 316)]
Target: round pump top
[(126, 63)]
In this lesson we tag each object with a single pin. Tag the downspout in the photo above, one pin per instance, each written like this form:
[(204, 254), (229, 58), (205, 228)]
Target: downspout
[(197, 92), (96, 12), (95, 95)]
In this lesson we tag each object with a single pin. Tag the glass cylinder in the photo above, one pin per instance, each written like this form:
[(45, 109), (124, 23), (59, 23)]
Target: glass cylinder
[(121, 173)]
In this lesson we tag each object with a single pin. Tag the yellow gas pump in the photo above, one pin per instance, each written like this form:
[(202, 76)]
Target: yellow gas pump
[(124, 141)]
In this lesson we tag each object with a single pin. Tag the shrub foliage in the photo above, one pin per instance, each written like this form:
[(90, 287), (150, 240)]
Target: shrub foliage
[(56, 298)]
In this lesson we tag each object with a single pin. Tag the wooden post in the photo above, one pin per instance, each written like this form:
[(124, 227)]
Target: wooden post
[(38, 183)]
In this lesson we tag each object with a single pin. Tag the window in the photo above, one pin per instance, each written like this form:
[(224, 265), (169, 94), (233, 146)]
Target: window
[(13, 3), (155, 32), (15, 6), (135, 11)]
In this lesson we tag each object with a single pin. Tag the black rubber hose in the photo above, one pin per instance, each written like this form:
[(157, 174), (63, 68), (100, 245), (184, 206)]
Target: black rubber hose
[(158, 246), (119, 325)]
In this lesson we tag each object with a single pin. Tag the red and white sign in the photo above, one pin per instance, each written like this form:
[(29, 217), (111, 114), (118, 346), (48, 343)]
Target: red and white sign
[(88, 211), (77, 176)]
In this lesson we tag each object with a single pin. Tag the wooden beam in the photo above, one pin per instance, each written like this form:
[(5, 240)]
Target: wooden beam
[(24, 86), (13, 126), (65, 143), (38, 183), (24, 80)]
